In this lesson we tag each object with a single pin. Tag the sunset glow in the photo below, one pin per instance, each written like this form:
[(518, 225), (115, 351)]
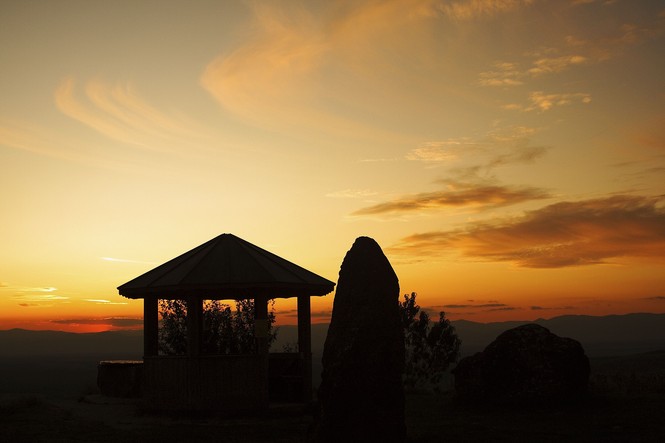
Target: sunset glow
[(508, 156)]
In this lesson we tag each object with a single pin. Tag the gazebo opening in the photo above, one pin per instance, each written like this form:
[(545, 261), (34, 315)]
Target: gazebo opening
[(225, 268), (227, 327)]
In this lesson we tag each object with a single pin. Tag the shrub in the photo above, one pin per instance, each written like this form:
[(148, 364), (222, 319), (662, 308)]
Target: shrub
[(224, 331), (430, 346)]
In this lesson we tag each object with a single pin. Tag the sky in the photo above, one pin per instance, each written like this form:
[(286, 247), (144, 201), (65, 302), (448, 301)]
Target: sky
[(507, 155)]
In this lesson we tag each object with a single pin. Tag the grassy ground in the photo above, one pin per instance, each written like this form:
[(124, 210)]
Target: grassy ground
[(430, 418), (626, 404), (619, 419)]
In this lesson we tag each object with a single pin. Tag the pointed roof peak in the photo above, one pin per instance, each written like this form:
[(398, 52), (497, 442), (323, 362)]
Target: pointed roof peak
[(227, 267)]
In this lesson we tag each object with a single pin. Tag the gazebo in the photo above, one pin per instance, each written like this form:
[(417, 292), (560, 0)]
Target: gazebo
[(224, 268)]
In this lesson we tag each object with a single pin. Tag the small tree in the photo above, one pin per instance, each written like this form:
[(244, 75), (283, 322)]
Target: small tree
[(224, 331), (430, 347), (173, 330)]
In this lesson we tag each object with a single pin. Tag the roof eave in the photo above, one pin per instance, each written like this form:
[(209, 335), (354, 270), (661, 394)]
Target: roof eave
[(228, 292)]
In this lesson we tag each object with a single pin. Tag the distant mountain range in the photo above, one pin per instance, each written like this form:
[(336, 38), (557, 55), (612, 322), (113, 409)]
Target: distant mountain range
[(64, 362), (600, 336)]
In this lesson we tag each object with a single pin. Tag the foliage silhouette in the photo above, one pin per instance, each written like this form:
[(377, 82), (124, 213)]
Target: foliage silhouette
[(430, 347), (224, 331)]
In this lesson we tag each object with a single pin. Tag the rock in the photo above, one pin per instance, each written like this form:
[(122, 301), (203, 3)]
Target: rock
[(361, 396), (525, 365)]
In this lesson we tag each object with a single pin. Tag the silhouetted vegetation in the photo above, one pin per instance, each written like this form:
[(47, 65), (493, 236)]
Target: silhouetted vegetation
[(430, 346), (627, 397), (225, 331)]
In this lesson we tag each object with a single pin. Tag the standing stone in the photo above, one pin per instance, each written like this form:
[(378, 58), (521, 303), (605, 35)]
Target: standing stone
[(361, 394)]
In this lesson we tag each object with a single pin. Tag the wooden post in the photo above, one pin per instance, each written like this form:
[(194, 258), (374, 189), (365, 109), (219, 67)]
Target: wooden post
[(261, 324), (150, 326), (261, 327), (194, 326), (305, 345)]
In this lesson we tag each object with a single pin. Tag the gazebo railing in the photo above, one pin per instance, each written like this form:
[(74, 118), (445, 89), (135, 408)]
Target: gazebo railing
[(209, 382), (223, 382)]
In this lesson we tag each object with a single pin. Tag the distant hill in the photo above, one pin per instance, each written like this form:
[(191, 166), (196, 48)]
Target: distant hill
[(600, 336), (60, 363), (66, 363), (21, 342)]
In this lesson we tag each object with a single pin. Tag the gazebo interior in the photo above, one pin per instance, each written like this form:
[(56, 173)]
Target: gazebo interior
[(225, 268)]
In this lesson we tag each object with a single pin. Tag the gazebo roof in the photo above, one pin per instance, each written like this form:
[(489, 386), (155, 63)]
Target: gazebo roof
[(227, 267)]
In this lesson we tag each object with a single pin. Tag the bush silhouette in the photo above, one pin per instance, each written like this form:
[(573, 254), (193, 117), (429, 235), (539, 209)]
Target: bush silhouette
[(224, 331), (430, 347)]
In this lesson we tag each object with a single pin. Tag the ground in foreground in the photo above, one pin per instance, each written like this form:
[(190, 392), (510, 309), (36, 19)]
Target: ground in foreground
[(429, 418)]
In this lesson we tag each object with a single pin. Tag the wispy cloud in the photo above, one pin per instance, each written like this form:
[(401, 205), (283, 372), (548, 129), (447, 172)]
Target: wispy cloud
[(587, 232), (43, 300), (472, 307), (352, 193), (116, 112), (474, 9), (651, 133), (509, 74), (541, 101), (274, 78), (478, 306), (259, 76), (126, 260), (38, 140), (499, 147), (116, 322), (472, 161), (119, 113), (556, 308), (457, 195), (573, 51), (548, 65), (100, 301), (447, 151), (41, 296), (503, 74), (21, 290)]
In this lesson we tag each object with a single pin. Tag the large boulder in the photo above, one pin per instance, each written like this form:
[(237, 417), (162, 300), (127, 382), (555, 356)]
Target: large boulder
[(526, 365), (361, 396)]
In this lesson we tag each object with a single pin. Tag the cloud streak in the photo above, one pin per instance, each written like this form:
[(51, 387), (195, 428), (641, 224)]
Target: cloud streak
[(101, 301), (475, 9), (574, 52), (500, 147), (125, 260), (116, 322), (37, 140), (275, 77), (117, 112), (541, 101), (588, 232), (465, 306), (458, 195), (351, 193)]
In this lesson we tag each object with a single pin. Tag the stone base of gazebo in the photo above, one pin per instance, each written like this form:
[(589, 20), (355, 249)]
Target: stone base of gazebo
[(216, 382), (120, 378), (223, 383)]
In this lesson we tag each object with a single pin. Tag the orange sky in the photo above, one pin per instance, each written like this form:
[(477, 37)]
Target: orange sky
[(509, 156)]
